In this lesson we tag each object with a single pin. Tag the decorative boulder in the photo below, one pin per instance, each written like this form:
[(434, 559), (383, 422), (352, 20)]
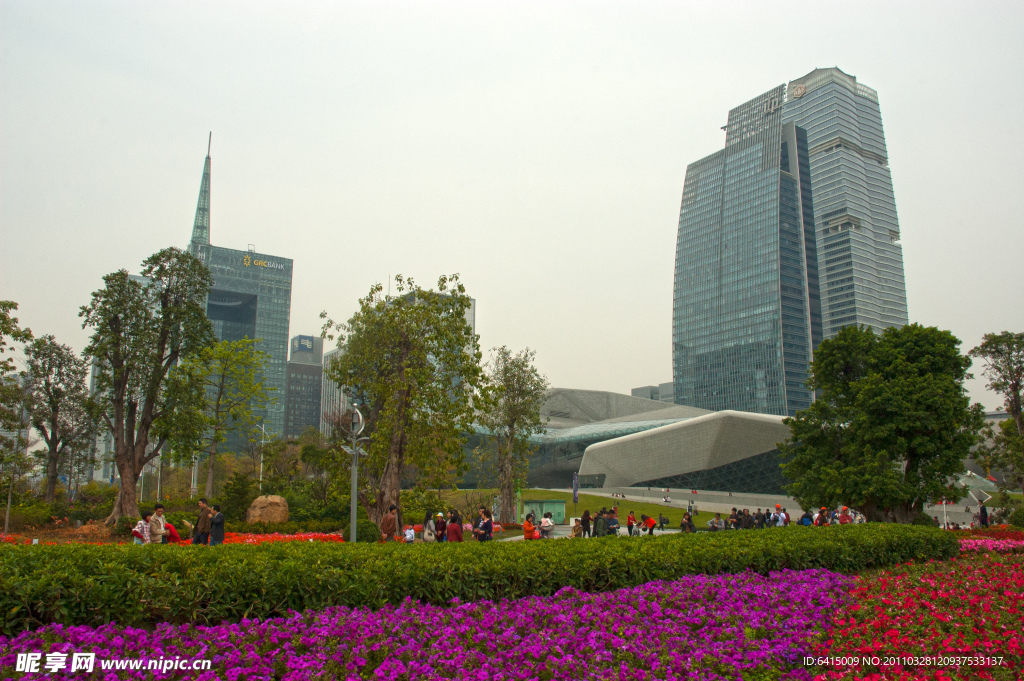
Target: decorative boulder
[(269, 508)]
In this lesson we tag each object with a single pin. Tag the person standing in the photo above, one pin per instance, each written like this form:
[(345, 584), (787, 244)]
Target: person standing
[(454, 528), (600, 525), (649, 524), (484, 526), (844, 517), (216, 527), (687, 524), (983, 511), (630, 522), (140, 534), (585, 522), (389, 525), (429, 529), (822, 518), (759, 520), (201, 533), (746, 520), (157, 526), (441, 527)]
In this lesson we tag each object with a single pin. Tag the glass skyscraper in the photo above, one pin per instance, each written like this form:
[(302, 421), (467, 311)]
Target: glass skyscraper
[(305, 385), (858, 235), (251, 298), (746, 307)]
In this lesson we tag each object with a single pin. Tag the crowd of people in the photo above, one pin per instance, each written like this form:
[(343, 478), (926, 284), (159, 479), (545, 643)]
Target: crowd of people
[(154, 528), (438, 527), (779, 517)]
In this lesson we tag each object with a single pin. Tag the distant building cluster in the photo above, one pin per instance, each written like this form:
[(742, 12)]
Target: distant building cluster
[(785, 236)]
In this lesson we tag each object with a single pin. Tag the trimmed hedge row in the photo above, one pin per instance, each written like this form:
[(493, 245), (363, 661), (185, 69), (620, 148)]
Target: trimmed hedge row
[(141, 585)]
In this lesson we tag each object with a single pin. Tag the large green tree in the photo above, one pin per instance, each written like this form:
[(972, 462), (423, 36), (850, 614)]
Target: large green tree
[(142, 328), (1003, 355), (57, 398), (11, 396), (510, 411), (412, 361), (891, 427), (229, 376)]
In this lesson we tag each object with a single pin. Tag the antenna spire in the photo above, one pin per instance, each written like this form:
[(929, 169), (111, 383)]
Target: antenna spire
[(201, 227)]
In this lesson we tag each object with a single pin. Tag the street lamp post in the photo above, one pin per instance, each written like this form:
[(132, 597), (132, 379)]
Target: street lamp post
[(263, 438), (356, 428)]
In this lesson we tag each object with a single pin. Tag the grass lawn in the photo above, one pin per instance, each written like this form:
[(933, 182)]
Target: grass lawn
[(593, 503)]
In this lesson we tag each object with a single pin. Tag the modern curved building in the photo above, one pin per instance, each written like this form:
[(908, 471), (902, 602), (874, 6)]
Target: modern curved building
[(728, 451)]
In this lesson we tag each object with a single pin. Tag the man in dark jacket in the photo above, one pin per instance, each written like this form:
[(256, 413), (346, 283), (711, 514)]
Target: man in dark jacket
[(600, 525), (201, 533), (984, 516), (389, 524), (216, 527), (440, 528)]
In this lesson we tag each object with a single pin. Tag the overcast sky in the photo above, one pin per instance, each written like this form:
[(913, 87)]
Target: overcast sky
[(538, 149)]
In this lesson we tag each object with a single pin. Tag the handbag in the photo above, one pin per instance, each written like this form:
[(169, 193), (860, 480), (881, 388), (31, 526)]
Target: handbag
[(428, 535), (536, 534)]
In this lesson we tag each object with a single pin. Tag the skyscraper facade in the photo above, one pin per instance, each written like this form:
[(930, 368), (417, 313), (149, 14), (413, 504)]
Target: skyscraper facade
[(746, 307), (304, 385), (333, 399), (858, 234), (251, 298)]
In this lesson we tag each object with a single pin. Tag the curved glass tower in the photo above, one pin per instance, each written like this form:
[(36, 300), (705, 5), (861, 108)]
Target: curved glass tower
[(746, 311), (858, 234)]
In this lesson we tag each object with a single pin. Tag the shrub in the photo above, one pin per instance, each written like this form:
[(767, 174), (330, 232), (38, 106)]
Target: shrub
[(142, 585), (923, 519), (366, 532), (1017, 518), (125, 525)]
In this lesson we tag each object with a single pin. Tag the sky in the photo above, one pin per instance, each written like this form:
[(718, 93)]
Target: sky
[(538, 149)]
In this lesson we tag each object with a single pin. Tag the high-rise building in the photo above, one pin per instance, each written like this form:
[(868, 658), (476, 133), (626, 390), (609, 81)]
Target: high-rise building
[(663, 392), (251, 298), (858, 234), (333, 400), (305, 379), (746, 311)]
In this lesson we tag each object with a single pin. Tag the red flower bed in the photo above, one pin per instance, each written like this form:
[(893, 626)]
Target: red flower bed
[(969, 608), (13, 539), (997, 533), (245, 538)]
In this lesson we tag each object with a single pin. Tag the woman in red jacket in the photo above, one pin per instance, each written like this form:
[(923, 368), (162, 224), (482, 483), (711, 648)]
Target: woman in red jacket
[(454, 528)]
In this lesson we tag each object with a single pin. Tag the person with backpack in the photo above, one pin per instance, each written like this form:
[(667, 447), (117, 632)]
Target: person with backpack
[(806, 519), (600, 525)]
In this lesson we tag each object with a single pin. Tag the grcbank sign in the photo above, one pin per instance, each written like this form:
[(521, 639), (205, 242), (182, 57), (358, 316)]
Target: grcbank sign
[(249, 261)]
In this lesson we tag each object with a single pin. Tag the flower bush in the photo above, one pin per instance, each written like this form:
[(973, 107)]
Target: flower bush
[(146, 585), (997, 533), (13, 539), (970, 606), (245, 538), (744, 626), (986, 544)]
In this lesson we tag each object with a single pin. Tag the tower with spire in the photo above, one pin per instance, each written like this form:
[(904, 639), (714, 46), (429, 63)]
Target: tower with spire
[(201, 228), (251, 298)]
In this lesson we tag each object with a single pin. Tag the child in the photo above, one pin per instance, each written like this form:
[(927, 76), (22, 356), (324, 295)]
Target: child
[(141, 531)]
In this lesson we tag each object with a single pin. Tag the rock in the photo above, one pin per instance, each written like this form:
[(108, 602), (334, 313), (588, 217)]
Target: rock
[(269, 508)]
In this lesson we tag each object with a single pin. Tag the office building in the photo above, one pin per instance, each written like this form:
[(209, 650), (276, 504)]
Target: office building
[(304, 385), (746, 311), (251, 298), (663, 392), (333, 400), (858, 234)]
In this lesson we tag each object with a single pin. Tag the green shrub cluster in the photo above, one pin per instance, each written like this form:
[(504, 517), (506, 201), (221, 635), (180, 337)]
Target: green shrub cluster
[(142, 585), (1017, 518)]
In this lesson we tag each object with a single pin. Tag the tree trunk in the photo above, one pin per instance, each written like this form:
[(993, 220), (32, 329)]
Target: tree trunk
[(506, 482), (51, 473), (209, 471), (127, 503)]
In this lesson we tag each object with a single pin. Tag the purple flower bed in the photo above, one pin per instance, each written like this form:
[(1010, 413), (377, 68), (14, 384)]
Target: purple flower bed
[(743, 626)]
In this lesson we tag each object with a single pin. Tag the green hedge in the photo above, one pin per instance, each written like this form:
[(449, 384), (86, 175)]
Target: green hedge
[(141, 585)]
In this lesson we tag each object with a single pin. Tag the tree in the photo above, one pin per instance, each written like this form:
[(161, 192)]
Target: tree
[(142, 327), (11, 397), (229, 375), (1003, 354), (511, 413), (413, 362), (891, 428), (57, 399), (1004, 452)]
